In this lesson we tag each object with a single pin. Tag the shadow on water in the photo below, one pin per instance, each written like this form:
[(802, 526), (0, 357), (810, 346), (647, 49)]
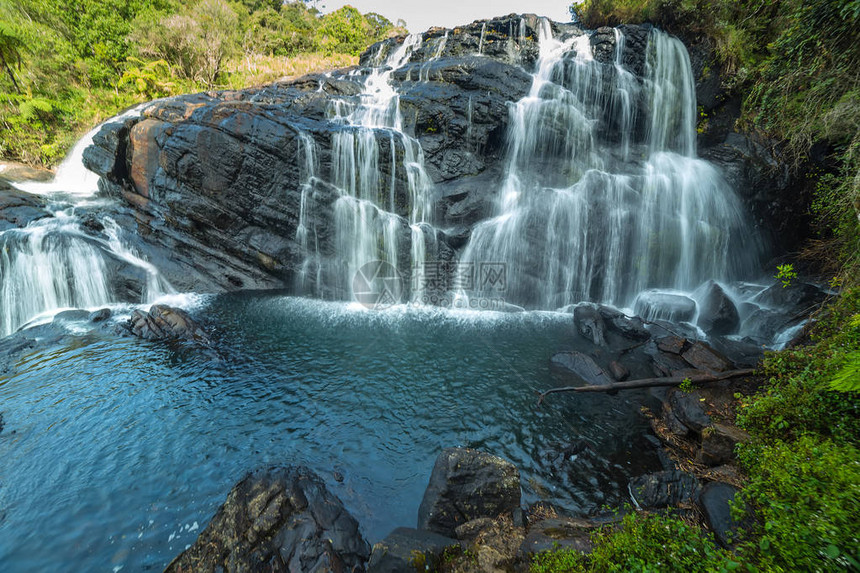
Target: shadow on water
[(123, 449)]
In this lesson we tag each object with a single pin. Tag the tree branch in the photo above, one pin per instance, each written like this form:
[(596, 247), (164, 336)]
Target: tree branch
[(648, 383)]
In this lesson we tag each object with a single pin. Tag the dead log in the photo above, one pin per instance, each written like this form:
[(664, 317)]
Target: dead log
[(648, 383)]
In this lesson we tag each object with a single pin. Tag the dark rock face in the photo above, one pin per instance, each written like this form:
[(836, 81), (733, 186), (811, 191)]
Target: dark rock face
[(18, 209), (632, 328), (794, 298), (407, 549), (465, 485), (216, 184), (664, 489), (278, 519), (714, 501), (216, 181), (688, 409), (163, 322)]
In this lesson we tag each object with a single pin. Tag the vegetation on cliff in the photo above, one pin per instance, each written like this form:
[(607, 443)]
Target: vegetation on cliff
[(65, 65)]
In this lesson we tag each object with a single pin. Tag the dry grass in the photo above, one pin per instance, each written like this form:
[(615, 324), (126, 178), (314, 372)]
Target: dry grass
[(257, 69)]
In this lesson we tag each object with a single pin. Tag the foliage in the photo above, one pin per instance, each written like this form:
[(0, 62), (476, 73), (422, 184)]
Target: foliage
[(807, 493), (559, 561), (196, 41), (798, 398), (803, 461), (643, 542), (149, 79), (786, 274), (68, 64)]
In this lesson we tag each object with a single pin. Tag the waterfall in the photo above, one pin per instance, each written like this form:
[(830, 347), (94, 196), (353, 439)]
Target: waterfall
[(370, 224), (309, 169), (72, 178), (589, 210), (54, 264), (48, 267)]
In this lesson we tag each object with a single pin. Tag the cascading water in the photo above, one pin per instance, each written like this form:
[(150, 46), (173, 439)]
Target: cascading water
[(581, 217), (54, 264), (369, 223)]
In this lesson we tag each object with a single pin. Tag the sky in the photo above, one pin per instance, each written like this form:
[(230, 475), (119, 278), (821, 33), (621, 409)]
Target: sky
[(423, 14)]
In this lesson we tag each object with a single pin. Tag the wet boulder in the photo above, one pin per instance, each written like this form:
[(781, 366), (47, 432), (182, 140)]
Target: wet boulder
[(796, 297), (619, 371), (714, 501), (657, 305), (702, 357), (718, 315), (18, 209), (279, 519), (688, 409), (468, 484), (628, 327), (590, 324)]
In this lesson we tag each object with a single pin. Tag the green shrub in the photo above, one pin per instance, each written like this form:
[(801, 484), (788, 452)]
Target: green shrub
[(807, 494), (643, 542)]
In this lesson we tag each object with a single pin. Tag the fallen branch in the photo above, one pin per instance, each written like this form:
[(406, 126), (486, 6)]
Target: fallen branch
[(648, 383)]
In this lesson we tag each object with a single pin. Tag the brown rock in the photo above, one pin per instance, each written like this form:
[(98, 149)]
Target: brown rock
[(718, 444), (558, 533), (144, 153), (703, 357), (618, 371), (672, 344)]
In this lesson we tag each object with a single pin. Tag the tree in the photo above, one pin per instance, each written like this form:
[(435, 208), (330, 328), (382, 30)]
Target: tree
[(196, 41), (10, 50)]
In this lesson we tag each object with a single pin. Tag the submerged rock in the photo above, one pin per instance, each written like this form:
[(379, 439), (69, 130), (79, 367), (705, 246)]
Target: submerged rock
[(468, 484), (163, 322), (280, 519)]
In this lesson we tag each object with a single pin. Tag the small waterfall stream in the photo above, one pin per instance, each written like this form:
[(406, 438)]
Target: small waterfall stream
[(370, 222), (54, 263)]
